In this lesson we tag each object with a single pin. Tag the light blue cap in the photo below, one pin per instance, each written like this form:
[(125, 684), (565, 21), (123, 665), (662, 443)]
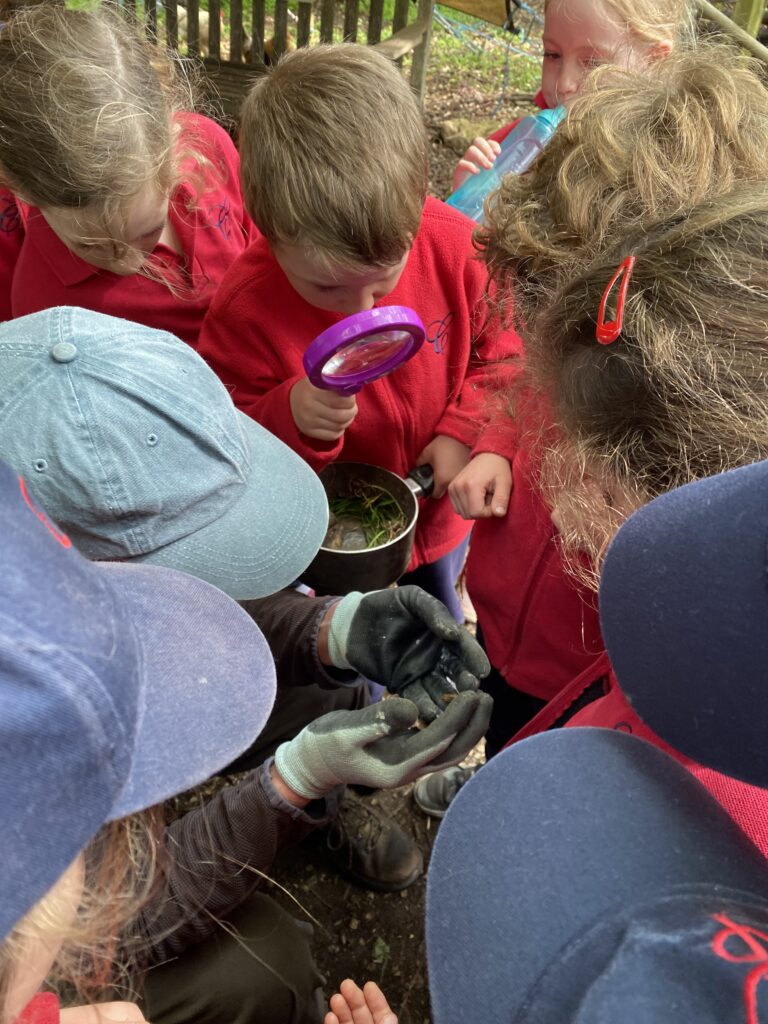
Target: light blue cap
[(132, 444)]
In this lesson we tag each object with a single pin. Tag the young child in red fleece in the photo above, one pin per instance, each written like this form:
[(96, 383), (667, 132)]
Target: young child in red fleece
[(334, 166), (113, 196), (580, 35), (599, 429)]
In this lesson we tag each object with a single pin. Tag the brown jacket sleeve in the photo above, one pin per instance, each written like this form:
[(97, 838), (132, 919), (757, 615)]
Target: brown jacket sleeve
[(290, 621), (216, 856)]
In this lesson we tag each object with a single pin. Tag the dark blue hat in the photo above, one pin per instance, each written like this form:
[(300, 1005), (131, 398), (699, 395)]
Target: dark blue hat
[(585, 877), (684, 613), (120, 685)]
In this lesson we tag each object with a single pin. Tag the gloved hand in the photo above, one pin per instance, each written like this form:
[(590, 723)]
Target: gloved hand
[(409, 642), (378, 746)]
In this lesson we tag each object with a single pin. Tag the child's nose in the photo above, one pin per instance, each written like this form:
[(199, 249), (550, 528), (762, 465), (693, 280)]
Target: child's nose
[(569, 81), (363, 299)]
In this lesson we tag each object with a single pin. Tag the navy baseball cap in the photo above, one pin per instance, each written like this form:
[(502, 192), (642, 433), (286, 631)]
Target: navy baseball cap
[(120, 685), (585, 877), (132, 444), (684, 613)]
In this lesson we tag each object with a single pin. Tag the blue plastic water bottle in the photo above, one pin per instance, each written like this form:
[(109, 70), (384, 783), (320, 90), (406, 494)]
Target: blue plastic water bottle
[(518, 151)]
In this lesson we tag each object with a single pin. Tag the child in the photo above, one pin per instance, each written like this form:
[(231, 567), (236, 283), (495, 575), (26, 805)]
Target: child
[(580, 35), (334, 175), (102, 690), (113, 199), (634, 153)]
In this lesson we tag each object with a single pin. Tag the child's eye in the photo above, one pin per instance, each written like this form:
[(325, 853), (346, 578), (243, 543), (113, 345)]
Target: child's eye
[(551, 55), (327, 287), (593, 62)]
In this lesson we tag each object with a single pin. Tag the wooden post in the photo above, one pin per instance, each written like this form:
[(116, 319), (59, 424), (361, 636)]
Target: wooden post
[(257, 33), (236, 30), (171, 24), (327, 18), (304, 26), (214, 29), (350, 21), (193, 28), (711, 13), (748, 14), (421, 53), (281, 27)]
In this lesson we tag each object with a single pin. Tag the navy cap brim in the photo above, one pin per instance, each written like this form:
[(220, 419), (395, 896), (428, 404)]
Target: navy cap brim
[(268, 537), (684, 613), (207, 681), (554, 834)]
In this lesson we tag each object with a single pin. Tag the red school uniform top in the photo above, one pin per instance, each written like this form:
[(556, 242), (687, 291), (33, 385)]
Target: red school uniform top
[(596, 699), (540, 625), (258, 329), (37, 271), (42, 1009)]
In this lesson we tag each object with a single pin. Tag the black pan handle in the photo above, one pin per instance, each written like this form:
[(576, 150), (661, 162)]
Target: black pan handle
[(421, 480)]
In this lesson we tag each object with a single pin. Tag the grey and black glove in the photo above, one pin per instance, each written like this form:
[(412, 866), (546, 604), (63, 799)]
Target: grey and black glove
[(409, 642), (378, 746)]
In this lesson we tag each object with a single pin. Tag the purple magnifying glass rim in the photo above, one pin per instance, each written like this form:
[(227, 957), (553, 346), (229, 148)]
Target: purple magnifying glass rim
[(356, 328)]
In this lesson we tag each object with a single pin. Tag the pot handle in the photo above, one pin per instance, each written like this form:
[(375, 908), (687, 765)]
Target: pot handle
[(421, 480)]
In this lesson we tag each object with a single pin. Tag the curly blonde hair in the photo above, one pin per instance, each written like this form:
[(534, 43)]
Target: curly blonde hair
[(682, 393), (634, 149), (672, 168)]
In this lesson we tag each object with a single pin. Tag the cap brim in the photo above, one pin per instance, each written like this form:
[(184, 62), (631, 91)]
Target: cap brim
[(684, 613), (207, 675), (268, 537), (550, 836)]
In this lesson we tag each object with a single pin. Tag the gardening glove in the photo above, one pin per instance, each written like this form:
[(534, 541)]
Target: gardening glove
[(409, 642), (378, 746)]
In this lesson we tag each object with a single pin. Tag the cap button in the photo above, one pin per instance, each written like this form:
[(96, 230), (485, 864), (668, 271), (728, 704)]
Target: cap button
[(64, 351)]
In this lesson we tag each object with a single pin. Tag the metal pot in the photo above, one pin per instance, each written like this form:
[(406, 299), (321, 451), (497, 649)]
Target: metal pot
[(334, 571)]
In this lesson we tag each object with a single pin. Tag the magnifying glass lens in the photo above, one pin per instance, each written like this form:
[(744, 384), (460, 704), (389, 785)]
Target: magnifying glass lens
[(366, 354)]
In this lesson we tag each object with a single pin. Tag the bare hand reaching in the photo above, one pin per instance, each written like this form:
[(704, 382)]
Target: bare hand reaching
[(355, 1005)]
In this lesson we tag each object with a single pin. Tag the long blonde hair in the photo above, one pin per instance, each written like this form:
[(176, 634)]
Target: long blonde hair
[(123, 869), (88, 113)]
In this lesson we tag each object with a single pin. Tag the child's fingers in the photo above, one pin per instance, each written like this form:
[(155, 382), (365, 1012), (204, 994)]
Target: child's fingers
[(487, 150), (499, 500), (382, 1013), (332, 400), (341, 1011)]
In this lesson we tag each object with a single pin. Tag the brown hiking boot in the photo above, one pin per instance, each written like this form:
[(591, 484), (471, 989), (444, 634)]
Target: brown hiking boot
[(370, 849)]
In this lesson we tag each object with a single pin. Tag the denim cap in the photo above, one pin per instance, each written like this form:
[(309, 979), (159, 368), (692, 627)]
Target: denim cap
[(132, 444), (120, 685), (583, 876), (684, 613)]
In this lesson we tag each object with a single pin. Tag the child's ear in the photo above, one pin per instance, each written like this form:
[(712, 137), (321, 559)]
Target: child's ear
[(660, 50)]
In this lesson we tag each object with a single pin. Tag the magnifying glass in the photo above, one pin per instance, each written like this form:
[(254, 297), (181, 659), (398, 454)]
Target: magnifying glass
[(363, 347)]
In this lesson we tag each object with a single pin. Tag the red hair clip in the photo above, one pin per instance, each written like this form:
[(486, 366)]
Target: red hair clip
[(608, 331)]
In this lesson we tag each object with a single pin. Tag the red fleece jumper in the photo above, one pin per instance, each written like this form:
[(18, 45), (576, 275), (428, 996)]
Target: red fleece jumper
[(37, 271), (258, 329), (540, 625), (595, 699)]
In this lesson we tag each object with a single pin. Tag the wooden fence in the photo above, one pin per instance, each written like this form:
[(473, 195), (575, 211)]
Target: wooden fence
[(233, 54)]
